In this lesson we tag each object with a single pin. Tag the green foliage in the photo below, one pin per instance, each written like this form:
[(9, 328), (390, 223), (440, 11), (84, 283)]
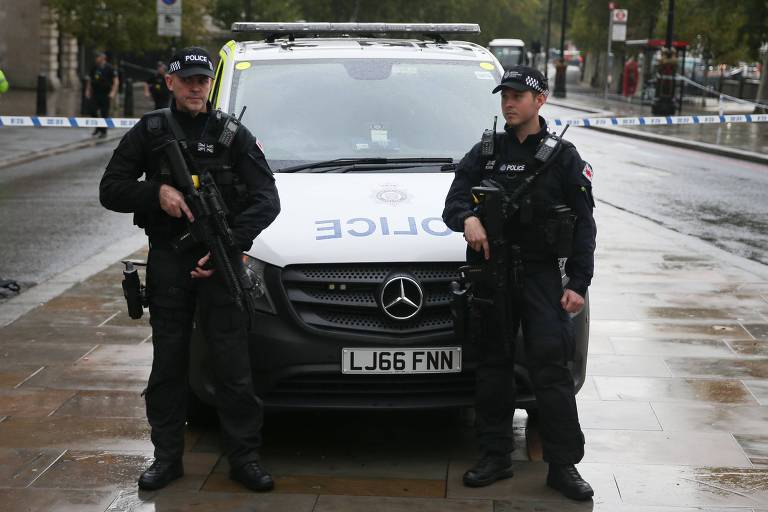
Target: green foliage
[(731, 30), (124, 25), (519, 18)]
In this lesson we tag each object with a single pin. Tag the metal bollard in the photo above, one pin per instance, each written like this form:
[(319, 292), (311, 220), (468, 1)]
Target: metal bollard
[(128, 97), (42, 95), (85, 108)]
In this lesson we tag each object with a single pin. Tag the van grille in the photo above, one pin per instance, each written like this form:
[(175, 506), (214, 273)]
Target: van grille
[(342, 297), (336, 390)]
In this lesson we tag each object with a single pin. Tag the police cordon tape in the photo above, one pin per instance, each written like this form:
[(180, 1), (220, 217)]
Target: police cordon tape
[(126, 122)]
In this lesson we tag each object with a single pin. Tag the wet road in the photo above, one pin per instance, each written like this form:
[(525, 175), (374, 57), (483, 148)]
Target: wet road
[(50, 216), (717, 199)]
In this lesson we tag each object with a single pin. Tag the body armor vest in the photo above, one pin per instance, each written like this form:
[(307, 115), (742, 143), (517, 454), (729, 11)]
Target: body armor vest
[(543, 227), (207, 155)]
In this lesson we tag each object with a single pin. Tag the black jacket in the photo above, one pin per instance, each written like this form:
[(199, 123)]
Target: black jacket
[(567, 181), (121, 191)]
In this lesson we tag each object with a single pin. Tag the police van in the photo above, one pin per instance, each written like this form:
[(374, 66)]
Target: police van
[(362, 130)]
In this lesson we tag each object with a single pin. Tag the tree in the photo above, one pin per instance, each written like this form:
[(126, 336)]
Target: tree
[(497, 18), (124, 25)]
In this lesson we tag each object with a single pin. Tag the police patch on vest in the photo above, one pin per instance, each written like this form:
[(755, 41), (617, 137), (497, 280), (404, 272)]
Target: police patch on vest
[(512, 168), (204, 148), (587, 172), (490, 165)]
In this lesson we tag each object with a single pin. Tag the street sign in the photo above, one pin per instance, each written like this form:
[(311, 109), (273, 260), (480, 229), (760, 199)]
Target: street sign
[(619, 32), (169, 25), (169, 18), (168, 7), (620, 15)]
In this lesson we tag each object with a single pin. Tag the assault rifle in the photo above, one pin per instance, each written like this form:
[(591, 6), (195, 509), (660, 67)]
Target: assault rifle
[(210, 227)]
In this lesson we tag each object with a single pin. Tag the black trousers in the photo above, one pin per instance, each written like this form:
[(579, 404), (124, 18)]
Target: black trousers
[(549, 343), (100, 104), (174, 296)]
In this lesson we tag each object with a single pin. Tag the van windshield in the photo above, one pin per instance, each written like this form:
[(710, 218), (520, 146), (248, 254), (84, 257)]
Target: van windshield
[(509, 55), (313, 110)]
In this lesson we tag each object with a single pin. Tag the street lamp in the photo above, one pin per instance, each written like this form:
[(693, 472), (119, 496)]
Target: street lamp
[(561, 65)]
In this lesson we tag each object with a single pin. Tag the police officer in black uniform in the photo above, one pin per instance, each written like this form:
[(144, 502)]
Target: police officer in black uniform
[(157, 88), (101, 89), (539, 302), (178, 282)]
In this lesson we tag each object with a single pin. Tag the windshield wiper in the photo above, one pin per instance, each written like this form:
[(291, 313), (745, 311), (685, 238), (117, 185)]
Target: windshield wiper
[(346, 164)]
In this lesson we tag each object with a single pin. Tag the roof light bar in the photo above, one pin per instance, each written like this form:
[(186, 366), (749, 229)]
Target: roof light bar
[(347, 28)]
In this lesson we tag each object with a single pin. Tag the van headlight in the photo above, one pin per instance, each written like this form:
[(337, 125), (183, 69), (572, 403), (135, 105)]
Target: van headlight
[(254, 268)]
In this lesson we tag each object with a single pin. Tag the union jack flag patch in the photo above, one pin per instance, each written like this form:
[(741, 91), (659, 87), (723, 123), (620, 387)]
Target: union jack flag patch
[(587, 172)]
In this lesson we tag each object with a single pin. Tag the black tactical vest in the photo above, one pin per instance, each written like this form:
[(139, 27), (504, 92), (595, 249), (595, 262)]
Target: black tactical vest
[(207, 155), (531, 227)]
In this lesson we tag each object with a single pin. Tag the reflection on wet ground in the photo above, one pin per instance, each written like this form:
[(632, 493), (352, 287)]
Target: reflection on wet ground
[(674, 408)]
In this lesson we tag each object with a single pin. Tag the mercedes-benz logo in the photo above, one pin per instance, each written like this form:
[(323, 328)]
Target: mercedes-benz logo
[(401, 297)]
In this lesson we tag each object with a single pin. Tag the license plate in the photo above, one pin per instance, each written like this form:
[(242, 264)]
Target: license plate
[(401, 360)]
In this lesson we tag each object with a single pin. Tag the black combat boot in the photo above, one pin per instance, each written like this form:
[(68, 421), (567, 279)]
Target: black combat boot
[(490, 468), (253, 476), (160, 474), (566, 479)]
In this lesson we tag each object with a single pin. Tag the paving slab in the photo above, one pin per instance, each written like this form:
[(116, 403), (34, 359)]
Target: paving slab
[(637, 328), (719, 368), (597, 414), (755, 446), (759, 388), (32, 402), (588, 506), (670, 347), (59, 500), (120, 355), (718, 486), (742, 419), (93, 377), (758, 331), (380, 504), (15, 353), (75, 332), (68, 432), (627, 366), (104, 404), (750, 347), (101, 470), (663, 448), (169, 500), (15, 374), (721, 391), (20, 467)]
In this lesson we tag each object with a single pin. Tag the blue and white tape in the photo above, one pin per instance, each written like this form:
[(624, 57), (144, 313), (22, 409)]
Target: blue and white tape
[(68, 122), (125, 122), (661, 120)]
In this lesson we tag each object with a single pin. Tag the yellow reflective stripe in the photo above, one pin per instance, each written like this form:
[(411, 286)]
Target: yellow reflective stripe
[(223, 56)]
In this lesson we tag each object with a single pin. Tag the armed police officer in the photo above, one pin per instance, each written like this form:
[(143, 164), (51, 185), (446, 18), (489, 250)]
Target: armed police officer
[(547, 195), (179, 280)]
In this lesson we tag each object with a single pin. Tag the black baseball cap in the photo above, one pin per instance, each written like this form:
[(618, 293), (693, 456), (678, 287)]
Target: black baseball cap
[(191, 61), (523, 78)]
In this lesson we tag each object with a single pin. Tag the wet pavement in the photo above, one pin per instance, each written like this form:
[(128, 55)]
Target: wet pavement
[(674, 408)]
